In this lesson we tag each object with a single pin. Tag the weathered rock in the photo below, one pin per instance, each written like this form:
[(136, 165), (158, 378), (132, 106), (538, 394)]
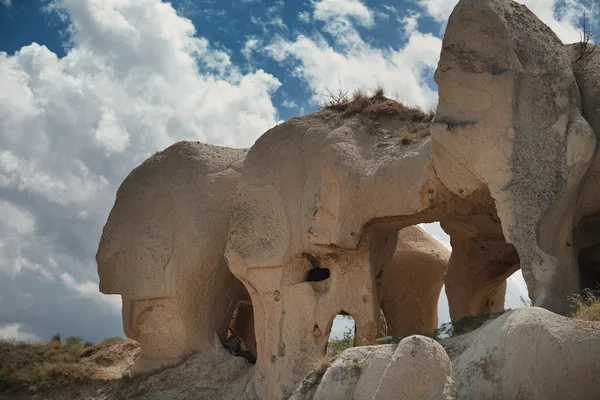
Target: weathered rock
[(480, 263), (531, 353), (419, 369), (509, 111), (586, 241), (411, 283), (316, 217), (416, 368), (162, 251), (308, 187)]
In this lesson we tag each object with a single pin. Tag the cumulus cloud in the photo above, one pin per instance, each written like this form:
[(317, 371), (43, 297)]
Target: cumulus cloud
[(6, 3), (134, 80), (351, 60), (14, 331), (327, 10)]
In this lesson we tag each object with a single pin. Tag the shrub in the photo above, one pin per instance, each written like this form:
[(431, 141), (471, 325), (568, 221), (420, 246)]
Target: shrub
[(74, 340), (112, 340), (466, 324), (388, 340), (336, 346), (587, 305)]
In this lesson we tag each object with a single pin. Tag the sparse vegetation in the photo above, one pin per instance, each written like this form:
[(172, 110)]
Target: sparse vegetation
[(587, 305), (586, 46), (35, 366), (74, 341), (38, 365), (466, 324), (112, 340), (450, 329), (336, 346), (375, 104)]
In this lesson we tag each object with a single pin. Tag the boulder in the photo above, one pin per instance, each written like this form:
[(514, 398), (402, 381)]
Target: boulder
[(530, 353), (417, 368), (162, 251)]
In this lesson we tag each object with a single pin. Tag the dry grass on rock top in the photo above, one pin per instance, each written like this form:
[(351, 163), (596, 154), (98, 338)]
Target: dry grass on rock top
[(588, 306), (388, 117)]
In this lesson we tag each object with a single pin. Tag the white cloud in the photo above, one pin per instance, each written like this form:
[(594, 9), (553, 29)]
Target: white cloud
[(327, 10), (6, 3), (304, 16), (355, 63), (13, 331), (250, 47), (289, 104), (134, 80), (391, 9), (25, 296), (16, 227), (90, 290), (562, 20)]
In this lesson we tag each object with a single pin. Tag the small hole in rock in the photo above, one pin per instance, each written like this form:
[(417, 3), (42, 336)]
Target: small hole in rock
[(318, 274)]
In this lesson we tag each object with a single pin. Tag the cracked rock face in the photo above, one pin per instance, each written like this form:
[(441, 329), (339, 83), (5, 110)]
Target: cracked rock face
[(162, 251)]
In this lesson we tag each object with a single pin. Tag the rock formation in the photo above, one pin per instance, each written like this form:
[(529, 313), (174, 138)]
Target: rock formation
[(162, 251), (318, 220), (530, 353), (510, 110), (420, 263)]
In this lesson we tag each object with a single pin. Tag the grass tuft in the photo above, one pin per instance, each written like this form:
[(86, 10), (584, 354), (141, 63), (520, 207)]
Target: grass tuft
[(587, 305)]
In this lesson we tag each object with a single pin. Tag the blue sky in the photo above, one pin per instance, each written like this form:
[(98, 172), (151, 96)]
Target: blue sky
[(90, 88)]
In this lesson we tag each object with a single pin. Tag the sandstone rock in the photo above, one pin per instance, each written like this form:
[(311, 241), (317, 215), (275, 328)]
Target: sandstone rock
[(411, 283), (419, 369), (531, 353), (480, 263), (416, 368), (587, 240), (162, 251), (316, 217), (509, 111)]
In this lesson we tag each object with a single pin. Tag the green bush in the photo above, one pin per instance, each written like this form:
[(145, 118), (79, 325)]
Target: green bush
[(113, 340), (466, 324), (335, 347), (74, 340)]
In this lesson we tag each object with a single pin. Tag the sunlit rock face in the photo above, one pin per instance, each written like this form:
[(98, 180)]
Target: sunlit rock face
[(162, 251)]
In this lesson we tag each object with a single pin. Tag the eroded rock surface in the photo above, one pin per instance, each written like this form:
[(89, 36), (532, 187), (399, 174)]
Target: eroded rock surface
[(531, 353), (162, 251), (411, 283), (509, 110)]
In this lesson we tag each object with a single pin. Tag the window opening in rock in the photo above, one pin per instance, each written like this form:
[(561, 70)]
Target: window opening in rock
[(342, 334)]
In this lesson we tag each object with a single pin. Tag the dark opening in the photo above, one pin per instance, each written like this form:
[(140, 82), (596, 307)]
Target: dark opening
[(318, 274)]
